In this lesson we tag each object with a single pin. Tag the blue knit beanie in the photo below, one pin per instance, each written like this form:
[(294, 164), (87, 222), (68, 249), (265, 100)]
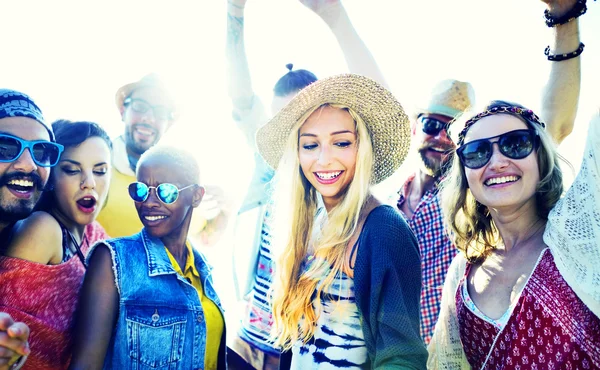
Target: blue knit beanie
[(17, 104)]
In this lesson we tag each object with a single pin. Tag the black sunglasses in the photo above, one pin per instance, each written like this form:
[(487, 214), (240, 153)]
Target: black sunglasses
[(44, 153), (516, 144), (432, 126), (166, 193)]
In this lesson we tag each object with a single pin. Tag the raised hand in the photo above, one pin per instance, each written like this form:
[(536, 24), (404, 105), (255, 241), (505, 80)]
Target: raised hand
[(237, 3), (320, 6), (559, 7)]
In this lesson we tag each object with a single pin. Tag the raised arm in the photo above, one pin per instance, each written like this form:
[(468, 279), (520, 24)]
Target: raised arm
[(239, 81), (561, 94), (357, 55), (96, 314)]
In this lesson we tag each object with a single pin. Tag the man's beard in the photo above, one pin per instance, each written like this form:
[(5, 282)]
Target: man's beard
[(135, 147), (20, 208), (15, 212), (432, 167)]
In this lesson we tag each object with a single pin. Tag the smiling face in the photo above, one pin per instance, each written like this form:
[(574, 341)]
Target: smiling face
[(327, 150), (81, 180), (166, 220), (21, 181), (503, 182), (144, 129), (433, 149)]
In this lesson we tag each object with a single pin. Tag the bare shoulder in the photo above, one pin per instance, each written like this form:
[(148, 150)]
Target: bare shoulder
[(37, 238)]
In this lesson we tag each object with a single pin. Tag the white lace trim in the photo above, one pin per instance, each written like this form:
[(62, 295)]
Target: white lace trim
[(573, 229)]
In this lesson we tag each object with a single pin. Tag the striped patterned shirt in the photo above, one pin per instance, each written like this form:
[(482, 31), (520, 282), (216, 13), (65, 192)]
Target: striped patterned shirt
[(258, 320), (338, 341), (436, 252)]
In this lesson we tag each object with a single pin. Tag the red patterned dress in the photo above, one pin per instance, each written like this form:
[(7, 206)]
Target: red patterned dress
[(549, 327), (45, 297)]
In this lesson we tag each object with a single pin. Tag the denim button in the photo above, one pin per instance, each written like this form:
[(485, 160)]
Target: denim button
[(199, 318), (156, 316)]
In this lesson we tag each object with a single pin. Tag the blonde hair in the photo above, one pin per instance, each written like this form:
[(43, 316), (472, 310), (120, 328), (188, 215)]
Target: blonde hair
[(469, 223), (294, 216)]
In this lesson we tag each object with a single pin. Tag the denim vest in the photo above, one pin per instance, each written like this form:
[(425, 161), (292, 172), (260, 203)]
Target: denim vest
[(161, 321)]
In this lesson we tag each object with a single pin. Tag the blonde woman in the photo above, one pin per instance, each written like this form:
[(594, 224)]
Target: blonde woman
[(524, 291), (348, 278)]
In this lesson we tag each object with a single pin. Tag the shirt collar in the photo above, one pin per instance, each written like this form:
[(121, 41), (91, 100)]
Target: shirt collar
[(120, 157), (190, 266)]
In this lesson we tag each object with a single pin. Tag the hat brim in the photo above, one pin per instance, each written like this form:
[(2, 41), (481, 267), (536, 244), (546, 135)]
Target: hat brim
[(439, 109), (124, 91), (383, 115)]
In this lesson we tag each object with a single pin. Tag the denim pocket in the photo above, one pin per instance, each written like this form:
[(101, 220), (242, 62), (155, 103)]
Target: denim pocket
[(155, 335)]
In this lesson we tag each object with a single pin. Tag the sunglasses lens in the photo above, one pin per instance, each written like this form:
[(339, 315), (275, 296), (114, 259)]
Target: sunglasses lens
[(167, 193), (9, 148), (138, 191), (432, 126), (46, 154), (476, 153), (516, 145)]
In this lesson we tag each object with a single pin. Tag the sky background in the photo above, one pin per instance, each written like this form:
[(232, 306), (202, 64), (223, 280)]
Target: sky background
[(72, 56)]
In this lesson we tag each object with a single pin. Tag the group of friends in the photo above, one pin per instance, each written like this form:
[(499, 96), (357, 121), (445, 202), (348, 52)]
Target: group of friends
[(481, 260)]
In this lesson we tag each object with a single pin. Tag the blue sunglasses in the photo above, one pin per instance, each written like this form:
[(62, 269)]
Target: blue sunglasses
[(44, 153), (166, 193)]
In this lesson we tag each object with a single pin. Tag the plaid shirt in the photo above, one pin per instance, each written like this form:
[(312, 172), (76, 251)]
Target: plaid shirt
[(436, 253)]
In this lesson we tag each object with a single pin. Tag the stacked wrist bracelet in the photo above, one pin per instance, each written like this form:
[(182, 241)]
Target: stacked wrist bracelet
[(564, 56), (578, 10)]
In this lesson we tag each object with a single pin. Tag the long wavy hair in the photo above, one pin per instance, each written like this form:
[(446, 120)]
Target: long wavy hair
[(296, 204), (469, 223)]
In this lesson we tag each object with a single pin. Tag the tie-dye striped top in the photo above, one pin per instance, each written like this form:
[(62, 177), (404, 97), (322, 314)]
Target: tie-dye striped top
[(338, 342)]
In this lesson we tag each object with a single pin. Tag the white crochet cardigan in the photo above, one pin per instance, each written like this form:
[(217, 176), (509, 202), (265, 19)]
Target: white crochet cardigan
[(573, 236)]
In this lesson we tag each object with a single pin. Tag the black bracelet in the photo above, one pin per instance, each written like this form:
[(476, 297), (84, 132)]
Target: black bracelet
[(564, 56), (578, 10)]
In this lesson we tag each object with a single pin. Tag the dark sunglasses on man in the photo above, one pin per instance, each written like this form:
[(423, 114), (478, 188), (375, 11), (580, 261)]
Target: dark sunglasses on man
[(516, 144), (44, 153), (432, 126), (160, 112)]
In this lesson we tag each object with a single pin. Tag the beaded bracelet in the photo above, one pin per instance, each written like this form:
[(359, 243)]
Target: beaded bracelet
[(578, 10), (564, 56)]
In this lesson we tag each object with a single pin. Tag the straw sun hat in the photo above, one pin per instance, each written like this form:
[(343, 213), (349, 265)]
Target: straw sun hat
[(449, 98), (383, 115)]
